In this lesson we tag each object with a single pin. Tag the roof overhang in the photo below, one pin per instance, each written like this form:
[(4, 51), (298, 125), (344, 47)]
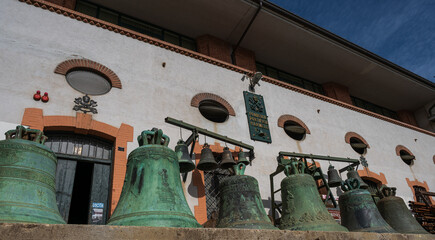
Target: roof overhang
[(290, 43)]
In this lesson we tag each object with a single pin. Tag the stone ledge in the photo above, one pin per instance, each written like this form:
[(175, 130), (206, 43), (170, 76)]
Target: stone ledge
[(18, 231)]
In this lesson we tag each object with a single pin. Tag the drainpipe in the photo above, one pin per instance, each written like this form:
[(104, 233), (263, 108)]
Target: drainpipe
[(233, 53)]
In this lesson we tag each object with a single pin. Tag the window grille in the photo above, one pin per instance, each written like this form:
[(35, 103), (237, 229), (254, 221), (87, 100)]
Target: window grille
[(212, 193), (373, 189), (79, 145), (420, 197)]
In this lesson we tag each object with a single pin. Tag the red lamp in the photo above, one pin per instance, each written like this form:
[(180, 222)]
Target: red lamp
[(45, 98), (37, 96)]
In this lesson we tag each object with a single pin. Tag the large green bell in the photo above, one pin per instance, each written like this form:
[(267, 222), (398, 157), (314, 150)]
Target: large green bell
[(27, 178), (358, 210), (152, 194), (302, 207), (393, 209), (240, 204)]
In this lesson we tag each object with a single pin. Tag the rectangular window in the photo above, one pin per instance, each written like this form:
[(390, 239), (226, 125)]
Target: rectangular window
[(373, 107), (108, 16), (86, 8), (289, 78), (137, 25)]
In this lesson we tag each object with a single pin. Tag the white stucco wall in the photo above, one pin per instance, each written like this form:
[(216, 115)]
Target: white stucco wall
[(34, 41)]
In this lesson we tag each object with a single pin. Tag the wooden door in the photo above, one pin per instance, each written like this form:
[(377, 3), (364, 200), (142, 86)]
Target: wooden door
[(99, 194), (65, 173)]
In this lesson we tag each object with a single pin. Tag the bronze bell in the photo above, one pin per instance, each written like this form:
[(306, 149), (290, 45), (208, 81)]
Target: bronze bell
[(207, 161), (351, 173), (152, 194), (334, 179), (227, 159), (242, 158), (240, 204), (358, 211), (302, 207), (184, 160), (393, 209), (27, 179)]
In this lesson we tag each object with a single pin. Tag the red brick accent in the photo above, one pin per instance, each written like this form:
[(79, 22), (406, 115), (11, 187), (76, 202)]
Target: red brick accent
[(285, 118), (200, 211), (71, 4), (202, 57), (84, 124), (337, 91), (210, 96), (350, 135), (68, 65), (400, 148), (372, 176), (214, 47), (407, 117), (411, 184), (33, 117), (245, 58)]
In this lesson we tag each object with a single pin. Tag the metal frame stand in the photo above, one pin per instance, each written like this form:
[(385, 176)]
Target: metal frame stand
[(310, 170)]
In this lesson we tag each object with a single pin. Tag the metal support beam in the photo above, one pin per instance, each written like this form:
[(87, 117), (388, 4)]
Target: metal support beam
[(208, 133)]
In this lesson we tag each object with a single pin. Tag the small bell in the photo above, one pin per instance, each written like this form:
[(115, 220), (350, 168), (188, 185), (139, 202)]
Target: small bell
[(242, 158), (227, 159), (334, 179), (207, 161), (184, 160), (351, 173)]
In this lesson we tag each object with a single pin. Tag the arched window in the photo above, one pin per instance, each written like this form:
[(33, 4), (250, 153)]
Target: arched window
[(293, 127), (356, 142)]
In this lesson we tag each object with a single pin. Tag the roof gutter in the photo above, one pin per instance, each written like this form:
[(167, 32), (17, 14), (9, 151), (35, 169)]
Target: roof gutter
[(233, 53), (310, 26)]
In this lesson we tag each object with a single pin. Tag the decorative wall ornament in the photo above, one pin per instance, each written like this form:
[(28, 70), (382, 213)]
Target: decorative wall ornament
[(85, 104), (363, 161), (257, 117)]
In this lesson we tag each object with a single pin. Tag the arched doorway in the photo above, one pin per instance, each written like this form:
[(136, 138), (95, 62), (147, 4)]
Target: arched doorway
[(82, 176)]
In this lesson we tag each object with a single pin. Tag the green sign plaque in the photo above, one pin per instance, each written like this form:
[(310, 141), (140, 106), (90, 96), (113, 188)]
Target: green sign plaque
[(257, 117)]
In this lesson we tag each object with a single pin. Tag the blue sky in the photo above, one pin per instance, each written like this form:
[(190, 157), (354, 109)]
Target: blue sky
[(401, 31)]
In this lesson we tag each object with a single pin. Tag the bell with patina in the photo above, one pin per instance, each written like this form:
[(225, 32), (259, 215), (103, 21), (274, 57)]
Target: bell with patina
[(351, 173), (334, 179), (393, 209), (207, 161), (358, 210), (27, 179), (302, 207), (240, 204), (152, 194), (242, 158), (184, 160), (227, 159)]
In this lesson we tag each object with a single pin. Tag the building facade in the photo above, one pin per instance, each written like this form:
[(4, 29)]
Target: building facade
[(149, 61)]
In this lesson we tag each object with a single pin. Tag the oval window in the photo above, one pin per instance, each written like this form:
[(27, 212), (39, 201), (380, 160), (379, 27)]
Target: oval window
[(88, 82), (358, 145), (213, 111), (406, 157), (294, 130)]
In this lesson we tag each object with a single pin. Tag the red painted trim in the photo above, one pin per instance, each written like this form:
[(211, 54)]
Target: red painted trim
[(210, 96), (68, 65), (285, 118)]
